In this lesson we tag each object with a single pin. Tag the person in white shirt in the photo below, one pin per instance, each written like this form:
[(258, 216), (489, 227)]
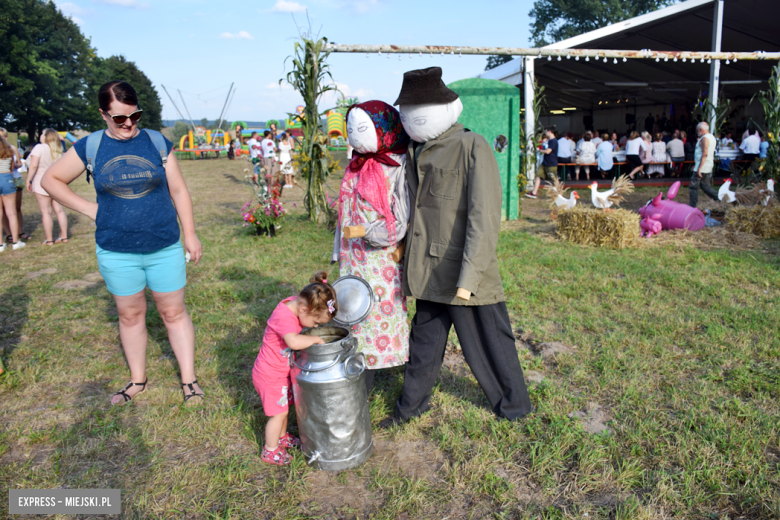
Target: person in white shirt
[(751, 146), (255, 153), (565, 146), (676, 151), (634, 145), (704, 161), (726, 141), (269, 156), (596, 139)]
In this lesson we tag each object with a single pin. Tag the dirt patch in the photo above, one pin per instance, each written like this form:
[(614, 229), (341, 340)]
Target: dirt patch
[(533, 376), (36, 274), (547, 350), (335, 494), (93, 277), (415, 459), (454, 360), (74, 284), (593, 418)]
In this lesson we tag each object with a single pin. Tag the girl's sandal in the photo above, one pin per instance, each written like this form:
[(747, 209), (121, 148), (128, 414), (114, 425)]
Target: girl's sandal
[(126, 397), (63, 240), (47, 242), (192, 393)]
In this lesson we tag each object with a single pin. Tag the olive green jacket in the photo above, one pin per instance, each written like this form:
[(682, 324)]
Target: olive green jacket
[(455, 215)]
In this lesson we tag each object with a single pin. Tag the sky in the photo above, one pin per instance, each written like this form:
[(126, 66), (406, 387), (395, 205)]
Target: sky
[(200, 47)]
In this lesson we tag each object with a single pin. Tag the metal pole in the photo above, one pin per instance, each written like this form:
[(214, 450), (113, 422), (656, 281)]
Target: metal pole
[(530, 118), (174, 104), (717, 37), (194, 131), (445, 50), (224, 105)]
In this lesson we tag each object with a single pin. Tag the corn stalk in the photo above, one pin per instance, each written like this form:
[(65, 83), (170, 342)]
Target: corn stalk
[(770, 101), (528, 143), (308, 76)]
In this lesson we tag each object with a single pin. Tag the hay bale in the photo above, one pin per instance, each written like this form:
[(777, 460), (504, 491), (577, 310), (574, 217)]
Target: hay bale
[(763, 221), (705, 239), (616, 229)]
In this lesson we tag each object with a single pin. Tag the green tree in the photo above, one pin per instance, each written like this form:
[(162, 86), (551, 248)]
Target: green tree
[(120, 69), (556, 20), (179, 130), (496, 60), (44, 70)]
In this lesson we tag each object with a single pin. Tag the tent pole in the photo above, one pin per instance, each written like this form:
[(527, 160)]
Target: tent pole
[(530, 117), (717, 37)]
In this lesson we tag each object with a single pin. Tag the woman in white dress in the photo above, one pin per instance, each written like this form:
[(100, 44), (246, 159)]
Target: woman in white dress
[(659, 156), (586, 155), (285, 159)]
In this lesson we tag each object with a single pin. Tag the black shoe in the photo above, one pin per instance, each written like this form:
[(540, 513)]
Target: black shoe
[(391, 421)]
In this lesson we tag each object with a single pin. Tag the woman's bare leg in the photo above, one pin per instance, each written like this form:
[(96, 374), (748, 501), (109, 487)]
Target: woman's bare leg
[(181, 334), (45, 203), (132, 334), (62, 219), (9, 203)]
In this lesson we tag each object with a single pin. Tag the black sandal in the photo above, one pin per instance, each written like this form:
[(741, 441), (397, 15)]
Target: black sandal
[(22, 236), (193, 393), (125, 389)]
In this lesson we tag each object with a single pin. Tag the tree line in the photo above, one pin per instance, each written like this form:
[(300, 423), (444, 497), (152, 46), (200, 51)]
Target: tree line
[(50, 73)]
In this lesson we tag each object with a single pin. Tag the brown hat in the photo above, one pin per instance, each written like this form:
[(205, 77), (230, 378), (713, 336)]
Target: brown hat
[(424, 86)]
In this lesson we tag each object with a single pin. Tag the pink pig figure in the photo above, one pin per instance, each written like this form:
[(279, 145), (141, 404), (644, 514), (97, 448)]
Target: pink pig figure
[(651, 225)]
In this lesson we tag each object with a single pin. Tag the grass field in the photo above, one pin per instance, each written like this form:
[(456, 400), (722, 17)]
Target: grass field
[(672, 354)]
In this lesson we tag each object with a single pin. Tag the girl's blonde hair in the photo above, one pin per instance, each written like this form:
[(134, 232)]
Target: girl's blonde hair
[(52, 138), (320, 296), (5, 149)]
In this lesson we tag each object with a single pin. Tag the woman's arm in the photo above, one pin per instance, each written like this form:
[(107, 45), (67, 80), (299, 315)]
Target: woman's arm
[(32, 169), (183, 203), (17, 160), (64, 171)]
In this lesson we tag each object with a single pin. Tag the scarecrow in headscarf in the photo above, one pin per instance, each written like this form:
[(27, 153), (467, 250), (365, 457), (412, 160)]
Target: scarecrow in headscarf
[(373, 217)]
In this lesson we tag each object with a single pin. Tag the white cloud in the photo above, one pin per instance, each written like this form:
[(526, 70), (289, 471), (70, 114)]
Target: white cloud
[(283, 6), (71, 8), (76, 19), (134, 4), (242, 35)]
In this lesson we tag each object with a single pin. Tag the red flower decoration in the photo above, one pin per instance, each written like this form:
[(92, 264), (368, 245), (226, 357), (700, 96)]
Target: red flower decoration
[(388, 309), (382, 342)]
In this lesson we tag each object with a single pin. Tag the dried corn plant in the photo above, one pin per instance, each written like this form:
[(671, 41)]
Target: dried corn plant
[(311, 77), (770, 101)]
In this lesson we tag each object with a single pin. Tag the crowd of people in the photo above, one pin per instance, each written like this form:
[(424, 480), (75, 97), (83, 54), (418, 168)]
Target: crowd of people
[(264, 152), (656, 154)]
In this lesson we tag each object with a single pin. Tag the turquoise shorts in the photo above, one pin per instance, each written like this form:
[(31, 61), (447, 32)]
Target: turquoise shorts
[(129, 273)]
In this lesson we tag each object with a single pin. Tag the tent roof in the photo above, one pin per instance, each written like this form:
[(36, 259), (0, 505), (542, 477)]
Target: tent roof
[(748, 25)]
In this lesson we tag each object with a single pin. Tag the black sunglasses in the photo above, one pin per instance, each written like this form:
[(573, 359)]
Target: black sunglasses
[(120, 119)]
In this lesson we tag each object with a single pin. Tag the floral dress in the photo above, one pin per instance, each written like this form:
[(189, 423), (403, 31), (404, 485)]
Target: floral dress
[(658, 155), (374, 195), (383, 337)]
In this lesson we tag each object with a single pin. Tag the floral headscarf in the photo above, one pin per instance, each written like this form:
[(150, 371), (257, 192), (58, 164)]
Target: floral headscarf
[(372, 185)]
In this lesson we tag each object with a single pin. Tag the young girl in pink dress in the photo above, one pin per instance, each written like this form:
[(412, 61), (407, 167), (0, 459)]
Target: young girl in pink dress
[(315, 305)]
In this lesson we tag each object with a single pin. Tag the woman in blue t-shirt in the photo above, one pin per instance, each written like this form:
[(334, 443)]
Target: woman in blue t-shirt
[(137, 236)]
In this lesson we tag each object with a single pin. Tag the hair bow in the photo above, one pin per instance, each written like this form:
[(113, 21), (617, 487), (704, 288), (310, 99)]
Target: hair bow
[(331, 306)]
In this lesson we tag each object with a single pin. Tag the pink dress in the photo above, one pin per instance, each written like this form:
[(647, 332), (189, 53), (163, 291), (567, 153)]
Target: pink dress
[(271, 373), (43, 153), (383, 337)]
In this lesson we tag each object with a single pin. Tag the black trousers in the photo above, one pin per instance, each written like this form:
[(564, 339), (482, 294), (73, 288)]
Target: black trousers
[(488, 344)]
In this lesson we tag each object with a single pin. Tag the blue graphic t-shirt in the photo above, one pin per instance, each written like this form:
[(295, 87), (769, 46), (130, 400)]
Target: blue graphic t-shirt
[(135, 211)]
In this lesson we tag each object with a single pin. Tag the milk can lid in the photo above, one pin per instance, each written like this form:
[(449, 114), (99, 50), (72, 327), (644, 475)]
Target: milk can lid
[(355, 298)]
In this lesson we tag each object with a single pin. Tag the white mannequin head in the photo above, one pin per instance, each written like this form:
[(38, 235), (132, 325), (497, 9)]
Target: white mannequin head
[(430, 120), (361, 133)]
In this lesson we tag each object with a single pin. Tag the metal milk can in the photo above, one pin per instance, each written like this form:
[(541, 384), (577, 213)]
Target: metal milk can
[(329, 385)]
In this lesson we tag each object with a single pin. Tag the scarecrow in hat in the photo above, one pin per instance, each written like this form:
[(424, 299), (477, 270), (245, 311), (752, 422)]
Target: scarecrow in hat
[(450, 264), (373, 218)]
